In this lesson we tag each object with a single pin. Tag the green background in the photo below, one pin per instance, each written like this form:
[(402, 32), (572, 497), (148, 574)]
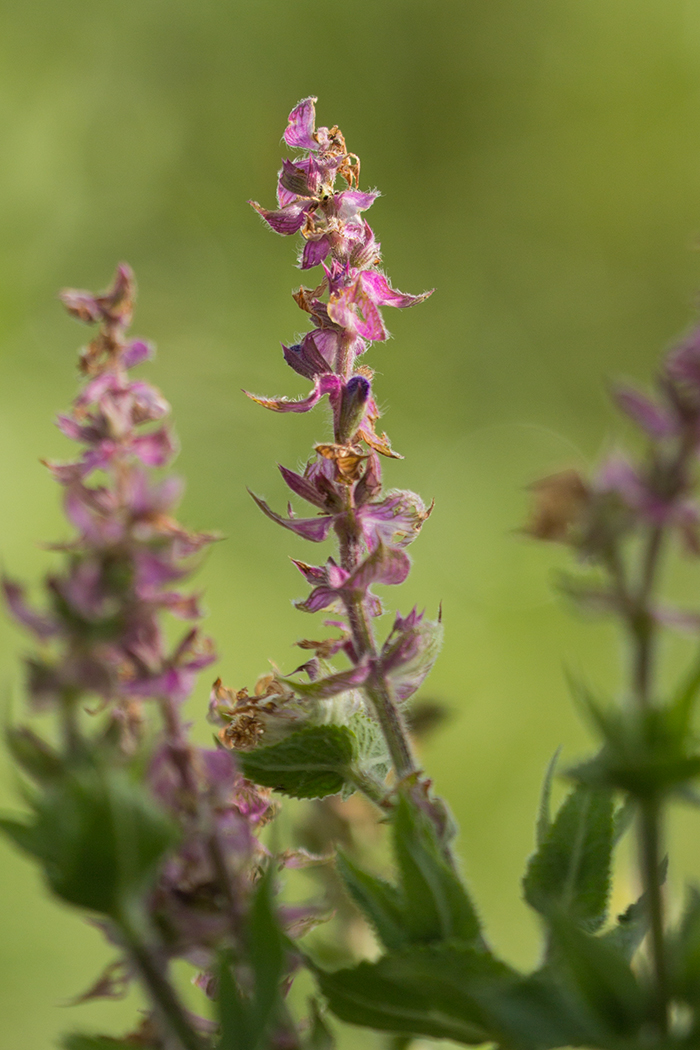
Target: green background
[(540, 165)]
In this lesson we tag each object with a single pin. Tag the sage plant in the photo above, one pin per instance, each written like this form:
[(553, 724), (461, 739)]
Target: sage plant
[(342, 481)]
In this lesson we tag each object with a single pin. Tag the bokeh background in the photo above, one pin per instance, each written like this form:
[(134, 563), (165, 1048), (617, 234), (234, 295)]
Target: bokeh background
[(540, 165)]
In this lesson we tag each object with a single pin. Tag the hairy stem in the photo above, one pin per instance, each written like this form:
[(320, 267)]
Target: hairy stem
[(376, 688)]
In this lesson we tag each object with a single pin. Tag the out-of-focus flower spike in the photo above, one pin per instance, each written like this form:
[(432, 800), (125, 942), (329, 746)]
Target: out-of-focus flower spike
[(646, 413), (44, 627)]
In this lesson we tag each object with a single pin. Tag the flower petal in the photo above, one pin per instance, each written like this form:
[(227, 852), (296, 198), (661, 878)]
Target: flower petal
[(314, 529), (299, 133)]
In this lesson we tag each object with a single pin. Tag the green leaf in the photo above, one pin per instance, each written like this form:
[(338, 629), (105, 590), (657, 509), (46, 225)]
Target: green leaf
[(571, 869), (537, 1013), (544, 819), (32, 754), (685, 951), (379, 901), (311, 763), (430, 902), (98, 835), (245, 1020), (600, 976), (234, 1012), (437, 905), (266, 951), (429, 991)]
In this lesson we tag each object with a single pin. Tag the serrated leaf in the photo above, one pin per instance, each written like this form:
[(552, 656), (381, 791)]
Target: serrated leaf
[(313, 762), (437, 905), (379, 901), (570, 871), (429, 991)]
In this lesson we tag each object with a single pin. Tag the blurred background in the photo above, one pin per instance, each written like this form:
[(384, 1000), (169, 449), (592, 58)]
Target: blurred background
[(540, 166)]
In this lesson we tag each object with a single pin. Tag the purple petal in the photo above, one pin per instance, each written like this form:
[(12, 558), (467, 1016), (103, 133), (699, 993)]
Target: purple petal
[(683, 364), (315, 251), (287, 220), (305, 357), (320, 598), (645, 412), (302, 487), (137, 352), (294, 179), (154, 449), (299, 133), (350, 203), (379, 289), (314, 529), (356, 312), (39, 624), (384, 565), (75, 431), (311, 573), (370, 484), (395, 521), (324, 384), (324, 688)]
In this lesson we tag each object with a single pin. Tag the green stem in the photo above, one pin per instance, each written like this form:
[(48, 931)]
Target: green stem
[(643, 631), (162, 993)]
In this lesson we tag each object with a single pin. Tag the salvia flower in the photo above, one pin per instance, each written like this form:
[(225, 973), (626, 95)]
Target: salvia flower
[(319, 198)]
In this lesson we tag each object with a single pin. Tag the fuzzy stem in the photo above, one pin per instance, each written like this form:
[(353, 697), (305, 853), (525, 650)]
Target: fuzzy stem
[(376, 688)]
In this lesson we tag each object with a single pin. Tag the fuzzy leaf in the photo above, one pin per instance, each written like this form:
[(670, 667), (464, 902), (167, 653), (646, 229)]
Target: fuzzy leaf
[(378, 900), (437, 904), (429, 991), (571, 868), (372, 755), (311, 763)]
